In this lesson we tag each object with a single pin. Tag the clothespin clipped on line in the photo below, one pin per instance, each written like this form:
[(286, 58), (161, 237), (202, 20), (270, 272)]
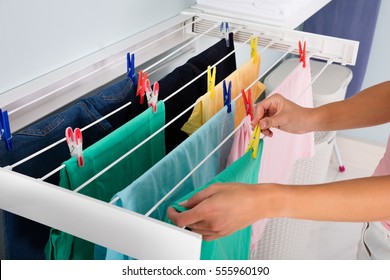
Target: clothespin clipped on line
[(302, 53), (248, 102), (224, 28), (152, 95), (254, 40), (255, 141), (211, 80), (75, 144), (142, 77), (227, 95), (131, 66), (5, 129)]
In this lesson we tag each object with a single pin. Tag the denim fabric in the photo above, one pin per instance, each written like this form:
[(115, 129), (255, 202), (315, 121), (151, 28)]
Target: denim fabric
[(25, 239), (188, 96)]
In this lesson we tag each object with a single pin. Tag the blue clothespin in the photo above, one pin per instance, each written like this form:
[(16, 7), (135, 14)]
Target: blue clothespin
[(130, 66), (224, 28), (227, 96), (5, 130)]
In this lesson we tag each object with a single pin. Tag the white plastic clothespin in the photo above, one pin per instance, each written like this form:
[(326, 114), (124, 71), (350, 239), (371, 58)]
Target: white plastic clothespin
[(152, 95), (75, 144)]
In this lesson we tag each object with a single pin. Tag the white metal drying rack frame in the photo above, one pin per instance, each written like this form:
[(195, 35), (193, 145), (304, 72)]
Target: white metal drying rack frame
[(102, 223)]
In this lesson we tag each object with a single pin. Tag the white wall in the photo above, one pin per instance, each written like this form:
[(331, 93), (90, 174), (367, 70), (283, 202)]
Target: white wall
[(377, 72), (42, 35)]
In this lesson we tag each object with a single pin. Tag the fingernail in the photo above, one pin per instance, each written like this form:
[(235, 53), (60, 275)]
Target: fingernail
[(263, 124), (183, 203)]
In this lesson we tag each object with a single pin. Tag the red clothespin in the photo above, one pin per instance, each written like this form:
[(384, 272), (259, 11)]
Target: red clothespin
[(152, 95), (302, 53), (227, 95), (5, 129), (224, 28), (248, 102), (75, 144), (142, 77), (211, 80)]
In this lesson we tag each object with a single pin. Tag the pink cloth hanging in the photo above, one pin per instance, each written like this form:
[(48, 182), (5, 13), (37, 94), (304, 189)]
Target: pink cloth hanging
[(240, 144), (241, 141), (282, 150)]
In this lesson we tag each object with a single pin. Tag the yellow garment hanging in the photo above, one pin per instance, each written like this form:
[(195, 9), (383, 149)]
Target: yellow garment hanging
[(209, 106)]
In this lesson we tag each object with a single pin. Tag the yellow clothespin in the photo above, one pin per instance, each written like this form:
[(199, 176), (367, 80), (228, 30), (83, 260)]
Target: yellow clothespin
[(211, 80), (254, 40), (254, 143)]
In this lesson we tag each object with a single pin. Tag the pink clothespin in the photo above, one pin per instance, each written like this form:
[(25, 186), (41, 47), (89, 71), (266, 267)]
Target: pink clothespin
[(75, 144), (302, 53), (248, 102), (142, 77), (152, 95)]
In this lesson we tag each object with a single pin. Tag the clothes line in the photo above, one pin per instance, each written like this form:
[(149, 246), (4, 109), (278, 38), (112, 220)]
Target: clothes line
[(188, 30), (154, 134), (223, 142), (64, 139), (108, 115), (99, 69), (234, 100), (193, 170), (182, 47), (165, 100)]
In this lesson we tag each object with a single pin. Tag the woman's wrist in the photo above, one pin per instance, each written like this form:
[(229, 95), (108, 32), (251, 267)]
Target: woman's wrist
[(272, 200)]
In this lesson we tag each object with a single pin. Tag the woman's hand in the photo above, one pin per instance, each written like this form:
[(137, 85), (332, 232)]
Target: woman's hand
[(279, 112), (221, 209)]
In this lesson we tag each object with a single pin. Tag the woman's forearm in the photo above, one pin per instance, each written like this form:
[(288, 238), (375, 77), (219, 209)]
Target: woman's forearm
[(369, 107), (356, 200)]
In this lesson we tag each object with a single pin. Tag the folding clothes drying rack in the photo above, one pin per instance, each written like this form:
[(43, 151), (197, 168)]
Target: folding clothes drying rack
[(99, 222)]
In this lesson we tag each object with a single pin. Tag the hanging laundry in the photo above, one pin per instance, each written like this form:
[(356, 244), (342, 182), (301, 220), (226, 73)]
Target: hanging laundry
[(241, 140), (186, 97), (104, 152), (284, 149), (144, 193), (208, 106), (23, 238), (240, 144), (235, 246)]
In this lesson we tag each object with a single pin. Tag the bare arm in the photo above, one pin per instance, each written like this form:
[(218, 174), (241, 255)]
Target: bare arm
[(224, 208), (368, 107)]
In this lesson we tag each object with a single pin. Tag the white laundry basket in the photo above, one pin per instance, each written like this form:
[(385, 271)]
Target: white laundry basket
[(286, 238)]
